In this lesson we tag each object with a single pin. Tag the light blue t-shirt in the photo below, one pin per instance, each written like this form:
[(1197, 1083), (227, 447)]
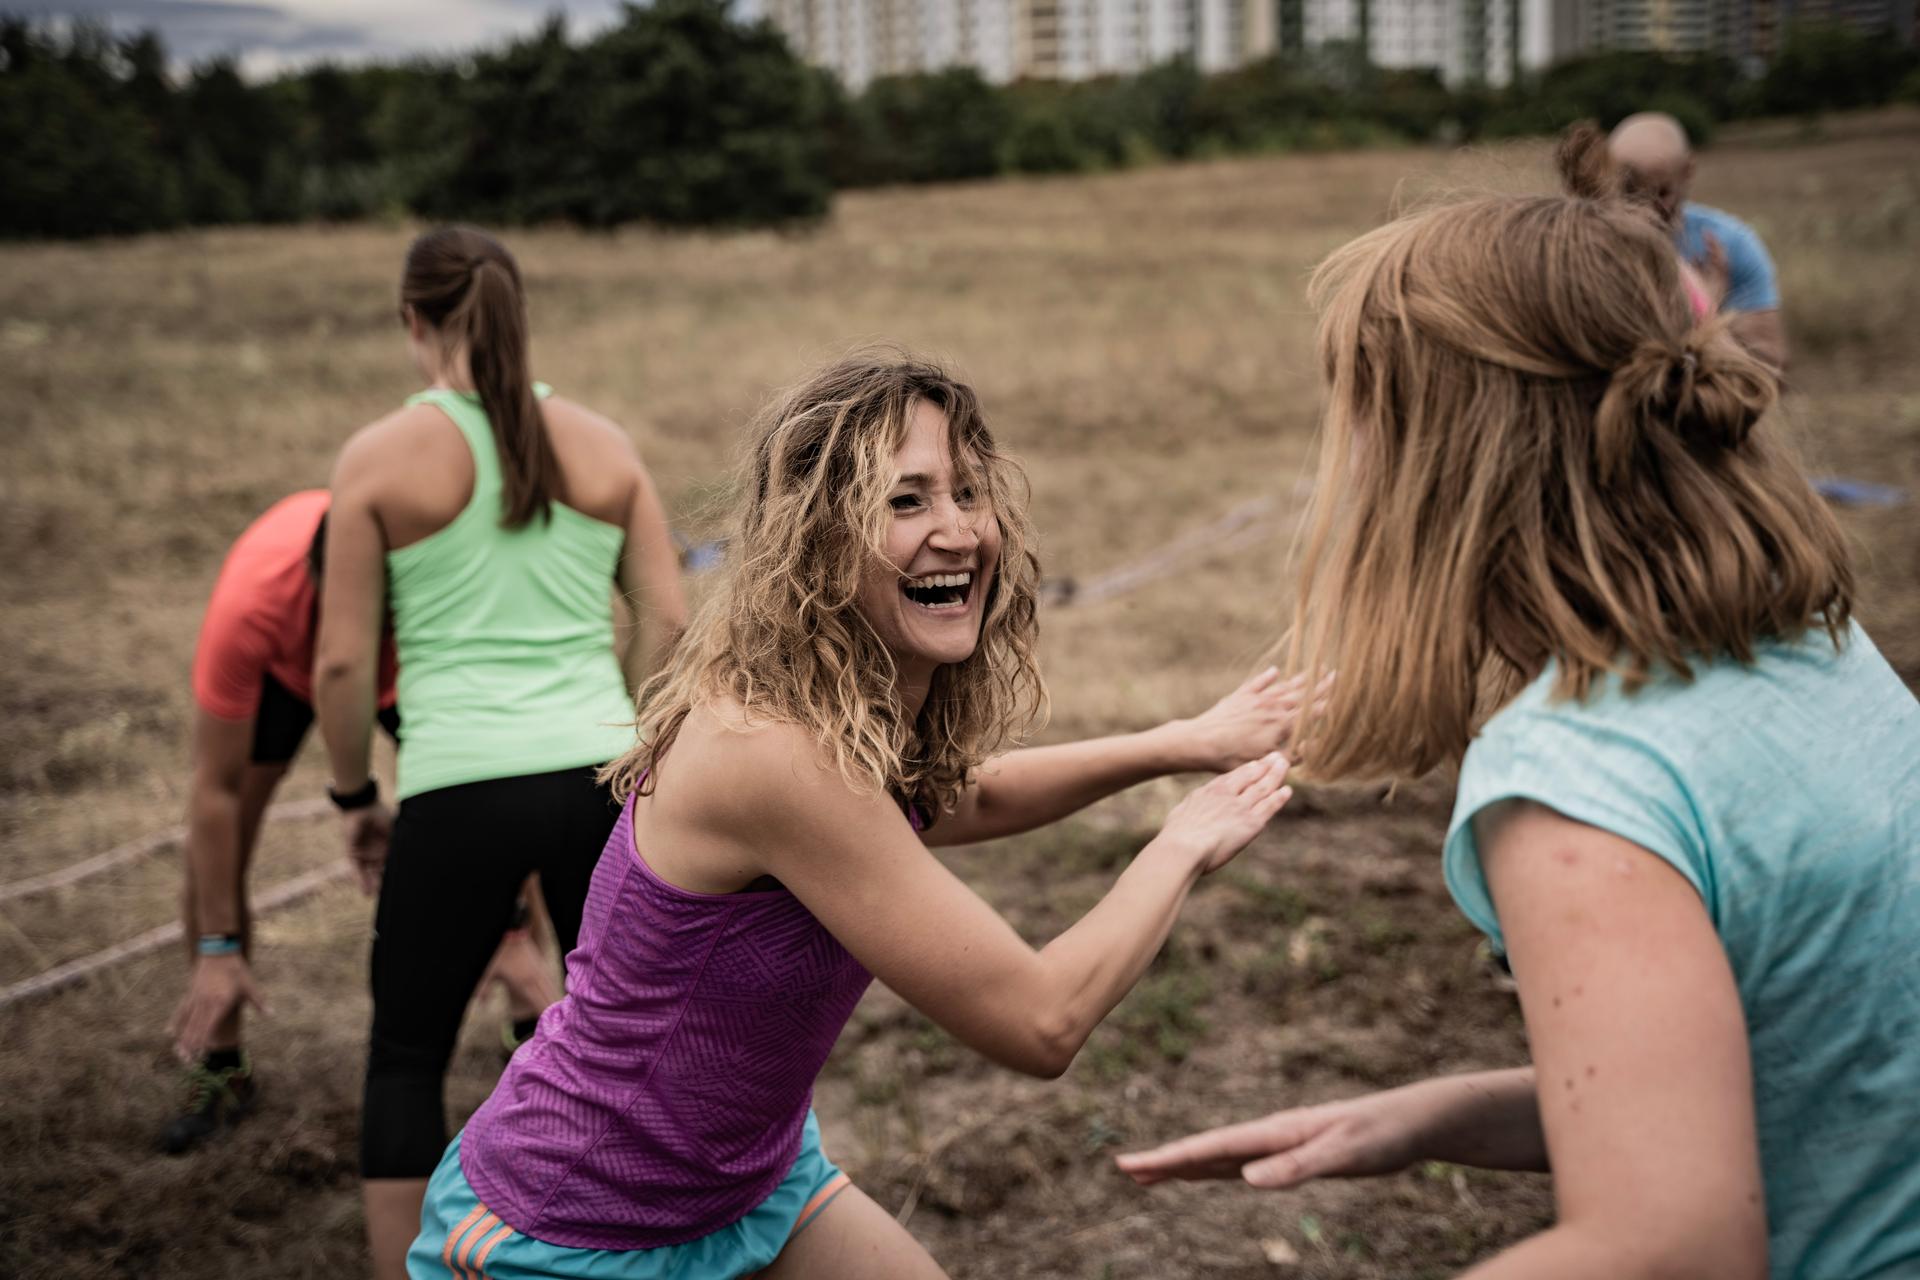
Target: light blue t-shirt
[(1750, 282), (1788, 794)]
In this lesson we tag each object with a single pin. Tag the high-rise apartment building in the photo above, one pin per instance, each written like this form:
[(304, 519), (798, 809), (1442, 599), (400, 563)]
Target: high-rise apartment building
[(1013, 39), (1467, 41)]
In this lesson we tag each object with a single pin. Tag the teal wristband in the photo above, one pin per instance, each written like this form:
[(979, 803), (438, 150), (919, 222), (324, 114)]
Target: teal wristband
[(218, 944)]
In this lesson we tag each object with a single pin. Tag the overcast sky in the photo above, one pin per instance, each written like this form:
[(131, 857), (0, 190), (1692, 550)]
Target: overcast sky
[(270, 35)]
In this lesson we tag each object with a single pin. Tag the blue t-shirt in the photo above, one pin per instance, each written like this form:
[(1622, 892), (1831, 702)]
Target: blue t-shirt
[(1788, 794), (1750, 282)]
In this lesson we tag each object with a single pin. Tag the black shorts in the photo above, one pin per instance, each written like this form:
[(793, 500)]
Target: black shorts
[(281, 723)]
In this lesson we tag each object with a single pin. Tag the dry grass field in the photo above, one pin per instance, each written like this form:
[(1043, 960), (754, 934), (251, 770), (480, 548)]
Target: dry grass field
[(1141, 339)]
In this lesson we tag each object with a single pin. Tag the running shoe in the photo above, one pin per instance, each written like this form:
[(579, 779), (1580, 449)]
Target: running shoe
[(215, 1099)]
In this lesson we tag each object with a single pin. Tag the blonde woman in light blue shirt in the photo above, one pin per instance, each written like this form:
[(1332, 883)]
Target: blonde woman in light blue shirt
[(1559, 546)]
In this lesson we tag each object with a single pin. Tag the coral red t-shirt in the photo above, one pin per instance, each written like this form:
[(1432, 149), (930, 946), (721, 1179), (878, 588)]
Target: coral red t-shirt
[(263, 615)]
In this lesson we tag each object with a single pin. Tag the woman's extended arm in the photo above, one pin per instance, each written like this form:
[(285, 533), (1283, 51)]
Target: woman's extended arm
[(1490, 1119), (1641, 1094), (1640, 1049), (851, 858), (1030, 788)]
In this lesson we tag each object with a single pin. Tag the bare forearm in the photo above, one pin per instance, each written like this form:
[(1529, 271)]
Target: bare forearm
[(213, 859), (650, 635), (1562, 1253), (1489, 1119), (1026, 789), (1628, 1250), (343, 697), (1091, 967)]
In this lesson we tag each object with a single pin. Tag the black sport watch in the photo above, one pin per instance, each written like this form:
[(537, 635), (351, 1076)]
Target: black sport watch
[(363, 797)]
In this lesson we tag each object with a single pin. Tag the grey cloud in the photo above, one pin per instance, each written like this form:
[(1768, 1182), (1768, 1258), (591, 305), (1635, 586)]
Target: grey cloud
[(267, 35)]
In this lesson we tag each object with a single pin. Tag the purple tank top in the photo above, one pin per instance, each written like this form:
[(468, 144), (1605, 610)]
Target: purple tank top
[(665, 1095)]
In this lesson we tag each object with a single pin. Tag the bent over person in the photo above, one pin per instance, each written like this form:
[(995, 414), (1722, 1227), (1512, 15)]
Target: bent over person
[(253, 703), (253, 699)]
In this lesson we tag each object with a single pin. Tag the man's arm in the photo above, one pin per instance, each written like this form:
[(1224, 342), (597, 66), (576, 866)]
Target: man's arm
[(1752, 296), (220, 750)]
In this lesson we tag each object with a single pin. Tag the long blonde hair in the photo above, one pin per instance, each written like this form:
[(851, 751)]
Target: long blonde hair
[(1532, 454), (781, 633)]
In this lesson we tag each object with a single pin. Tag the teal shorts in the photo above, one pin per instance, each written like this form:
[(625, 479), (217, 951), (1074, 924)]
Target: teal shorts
[(460, 1239)]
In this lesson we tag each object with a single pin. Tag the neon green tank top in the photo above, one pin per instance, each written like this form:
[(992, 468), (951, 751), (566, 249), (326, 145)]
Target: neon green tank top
[(505, 636)]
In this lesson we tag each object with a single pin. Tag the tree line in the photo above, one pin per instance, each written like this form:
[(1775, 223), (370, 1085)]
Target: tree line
[(679, 115)]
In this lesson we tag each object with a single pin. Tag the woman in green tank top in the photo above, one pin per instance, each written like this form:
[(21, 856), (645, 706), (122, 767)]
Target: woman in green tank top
[(495, 522)]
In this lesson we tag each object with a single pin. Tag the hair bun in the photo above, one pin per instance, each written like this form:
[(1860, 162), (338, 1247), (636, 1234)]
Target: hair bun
[(1720, 389)]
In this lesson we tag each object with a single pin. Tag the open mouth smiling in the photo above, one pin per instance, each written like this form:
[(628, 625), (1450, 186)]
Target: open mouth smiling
[(939, 592)]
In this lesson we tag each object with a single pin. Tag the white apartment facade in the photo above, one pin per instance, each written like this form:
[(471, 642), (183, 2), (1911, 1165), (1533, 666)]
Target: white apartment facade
[(1467, 41)]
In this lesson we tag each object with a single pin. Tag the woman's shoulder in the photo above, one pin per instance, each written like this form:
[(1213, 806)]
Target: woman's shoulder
[(729, 758), (412, 468), (721, 728), (576, 425), (601, 465), (1687, 720), (400, 433)]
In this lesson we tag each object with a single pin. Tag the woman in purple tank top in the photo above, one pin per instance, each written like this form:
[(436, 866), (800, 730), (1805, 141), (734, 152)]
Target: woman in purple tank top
[(840, 703)]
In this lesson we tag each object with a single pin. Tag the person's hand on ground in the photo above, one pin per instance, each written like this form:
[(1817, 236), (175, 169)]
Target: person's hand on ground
[(219, 986)]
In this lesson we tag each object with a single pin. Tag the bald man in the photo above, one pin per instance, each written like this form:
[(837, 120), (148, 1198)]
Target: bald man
[(1653, 149)]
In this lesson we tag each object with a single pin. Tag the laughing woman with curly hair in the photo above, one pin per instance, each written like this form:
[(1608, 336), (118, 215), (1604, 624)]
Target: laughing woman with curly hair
[(831, 713)]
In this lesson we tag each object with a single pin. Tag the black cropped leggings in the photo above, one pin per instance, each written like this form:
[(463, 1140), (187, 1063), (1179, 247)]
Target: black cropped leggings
[(458, 858)]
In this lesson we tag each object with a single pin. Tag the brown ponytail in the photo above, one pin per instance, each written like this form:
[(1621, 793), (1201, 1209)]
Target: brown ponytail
[(466, 285)]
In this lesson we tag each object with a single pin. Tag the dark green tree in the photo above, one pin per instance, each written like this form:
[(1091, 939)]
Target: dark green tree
[(675, 115), (78, 157), (942, 127)]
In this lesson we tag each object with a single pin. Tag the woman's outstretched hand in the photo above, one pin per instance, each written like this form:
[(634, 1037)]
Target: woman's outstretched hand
[(1216, 821), (1360, 1137), (1258, 717)]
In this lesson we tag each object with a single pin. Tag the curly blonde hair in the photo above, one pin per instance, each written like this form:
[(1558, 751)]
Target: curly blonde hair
[(781, 633), (1532, 454)]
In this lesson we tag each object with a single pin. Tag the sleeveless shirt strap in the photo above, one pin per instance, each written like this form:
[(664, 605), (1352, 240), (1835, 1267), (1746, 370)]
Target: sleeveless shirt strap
[(464, 410)]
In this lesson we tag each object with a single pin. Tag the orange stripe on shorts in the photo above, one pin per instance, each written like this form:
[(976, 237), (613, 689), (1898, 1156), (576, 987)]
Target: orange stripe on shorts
[(453, 1237), (840, 1183), (487, 1224), (480, 1258)]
